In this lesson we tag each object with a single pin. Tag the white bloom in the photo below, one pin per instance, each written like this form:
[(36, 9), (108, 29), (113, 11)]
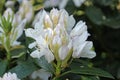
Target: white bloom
[(78, 3), (17, 32), (55, 38), (9, 76), (86, 52), (51, 3), (81, 47), (10, 4), (17, 27), (61, 3), (41, 75), (25, 11), (8, 12)]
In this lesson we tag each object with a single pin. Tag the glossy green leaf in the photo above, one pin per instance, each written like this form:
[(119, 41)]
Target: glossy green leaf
[(113, 23), (105, 2), (42, 62), (95, 15), (18, 51), (23, 69), (1, 5), (90, 71), (89, 78), (3, 66)]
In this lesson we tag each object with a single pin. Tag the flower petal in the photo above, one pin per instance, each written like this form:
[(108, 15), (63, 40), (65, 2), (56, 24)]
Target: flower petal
[(63, 3), (63, 51), (71, 23), (54, 14), (49, 55), (87, 52), (78, 29), (47, 21), (33, 33), (36, 54), (80, 39), (77, 50), (8, 12), (19, 29), (32, 45), (78, 3)]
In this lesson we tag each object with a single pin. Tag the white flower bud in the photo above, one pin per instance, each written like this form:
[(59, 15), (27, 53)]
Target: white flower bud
[(8, 13)]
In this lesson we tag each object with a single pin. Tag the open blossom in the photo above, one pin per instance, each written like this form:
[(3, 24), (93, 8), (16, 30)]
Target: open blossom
[(62, 3), (9, 76), (56, 37), (16, 29), (25, 10)]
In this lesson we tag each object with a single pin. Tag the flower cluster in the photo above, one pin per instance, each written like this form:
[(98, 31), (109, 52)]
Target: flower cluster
[(9, 76), (61, 3), (16, 22), (58, 39), (13, 30)]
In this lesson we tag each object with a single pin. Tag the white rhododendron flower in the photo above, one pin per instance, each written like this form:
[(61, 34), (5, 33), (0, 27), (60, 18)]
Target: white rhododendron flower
[(61, 3), (16, 30), (9, 76), (78, 3), (10, 4), (40, 75), (56, 37), (25, 11)]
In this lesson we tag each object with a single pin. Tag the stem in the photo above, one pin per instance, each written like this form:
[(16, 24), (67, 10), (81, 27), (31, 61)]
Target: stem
[(8, 55), (7, 47), (58, 70)]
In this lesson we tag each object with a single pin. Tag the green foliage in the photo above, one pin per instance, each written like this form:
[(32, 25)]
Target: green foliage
[(89, 78), (6, 24), (24, 68), (3, 66), (18, 51), (103, 20), (91, 71), (42, 62), (95, 15), (79, 67), (1, 5)]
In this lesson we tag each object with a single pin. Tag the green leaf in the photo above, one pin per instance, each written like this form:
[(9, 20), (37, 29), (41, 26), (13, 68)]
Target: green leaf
[(113, 23), (23, 69), (79, 67), (91, 71), (3, 66), (89, 78), (42, 62), (1, 5), (17, 51), (95, 15), (105, 2)]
